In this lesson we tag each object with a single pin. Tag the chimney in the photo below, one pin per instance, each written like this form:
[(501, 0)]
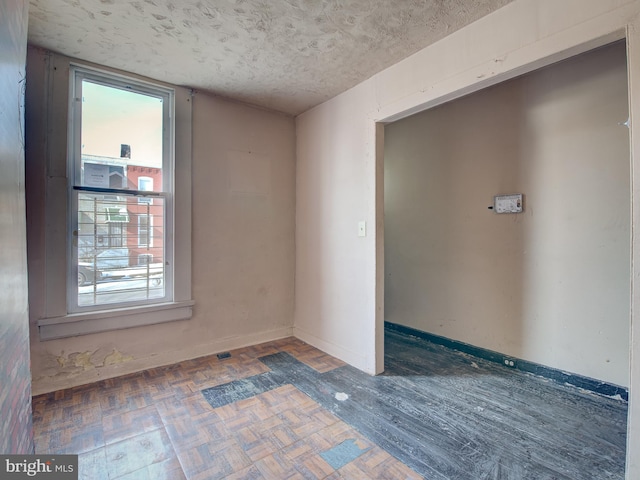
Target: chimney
[(125, 151)]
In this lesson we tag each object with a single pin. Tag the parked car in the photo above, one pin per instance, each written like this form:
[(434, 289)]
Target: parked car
[(108, 264), (113, 258), (87, 274)]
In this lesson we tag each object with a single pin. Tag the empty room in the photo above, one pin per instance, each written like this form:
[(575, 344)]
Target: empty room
[(320, 239)]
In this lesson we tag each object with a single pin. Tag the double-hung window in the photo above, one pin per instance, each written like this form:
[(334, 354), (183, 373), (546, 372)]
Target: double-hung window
[(121, 202), (110, 237)]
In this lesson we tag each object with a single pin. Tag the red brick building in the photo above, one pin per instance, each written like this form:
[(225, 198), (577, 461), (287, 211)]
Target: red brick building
[(128, 230), (145, 239)]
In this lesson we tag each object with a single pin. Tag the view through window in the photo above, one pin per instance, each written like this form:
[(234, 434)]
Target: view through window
[(120, 194)]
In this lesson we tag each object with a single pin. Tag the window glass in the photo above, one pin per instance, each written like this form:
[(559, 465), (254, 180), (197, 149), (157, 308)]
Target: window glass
[(119, 198), (145, 184)]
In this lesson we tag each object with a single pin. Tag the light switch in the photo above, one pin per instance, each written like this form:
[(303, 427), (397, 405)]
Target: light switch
[(362, 228)]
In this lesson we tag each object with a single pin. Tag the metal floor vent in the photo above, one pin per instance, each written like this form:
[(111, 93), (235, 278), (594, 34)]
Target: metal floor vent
[(223, 355)]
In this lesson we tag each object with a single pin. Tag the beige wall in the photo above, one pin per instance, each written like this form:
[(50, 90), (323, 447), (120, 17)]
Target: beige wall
[(335, 278), (243, 219), (243, 171), (340, 303), (550, 285)]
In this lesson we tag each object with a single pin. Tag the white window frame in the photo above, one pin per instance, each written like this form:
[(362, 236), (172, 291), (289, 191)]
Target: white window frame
[(78, 75), (55, 320)]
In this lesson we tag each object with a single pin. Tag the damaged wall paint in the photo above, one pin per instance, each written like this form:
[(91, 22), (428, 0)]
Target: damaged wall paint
[(76, 362), (115, 357), (253, 237), (81, 360)]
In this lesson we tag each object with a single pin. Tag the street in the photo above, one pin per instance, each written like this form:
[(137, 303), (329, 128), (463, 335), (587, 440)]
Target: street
[(120, 290)]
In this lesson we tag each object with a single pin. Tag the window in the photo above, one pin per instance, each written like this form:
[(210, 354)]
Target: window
[(91, 203), (120, 129), (145, 184), (116, 238), (145, 230)]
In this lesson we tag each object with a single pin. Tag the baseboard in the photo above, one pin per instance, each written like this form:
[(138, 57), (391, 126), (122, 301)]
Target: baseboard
[(354, 359), (559, 376), (50, 384)]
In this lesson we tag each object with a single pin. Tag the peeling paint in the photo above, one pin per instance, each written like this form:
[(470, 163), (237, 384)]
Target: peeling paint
[(115, 357), (69, 365), (82, 360), (76, 360)]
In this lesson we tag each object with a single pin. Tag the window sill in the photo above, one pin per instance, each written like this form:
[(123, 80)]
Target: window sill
[(76, 324)]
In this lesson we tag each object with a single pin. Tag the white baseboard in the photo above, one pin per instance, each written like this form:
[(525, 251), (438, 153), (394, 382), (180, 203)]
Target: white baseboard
[(354, 359)]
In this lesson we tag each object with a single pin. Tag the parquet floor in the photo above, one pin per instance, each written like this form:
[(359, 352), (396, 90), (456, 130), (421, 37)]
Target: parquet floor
[(157, 425), (285, 410)]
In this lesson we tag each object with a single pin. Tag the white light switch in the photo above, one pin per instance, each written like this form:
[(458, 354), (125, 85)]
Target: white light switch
[(362, 228)]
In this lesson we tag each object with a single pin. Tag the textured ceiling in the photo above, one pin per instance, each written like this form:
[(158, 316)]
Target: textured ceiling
[(286, 55)]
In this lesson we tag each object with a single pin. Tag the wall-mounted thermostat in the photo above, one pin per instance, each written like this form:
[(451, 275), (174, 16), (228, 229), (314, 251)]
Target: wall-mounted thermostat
[(508, 203)]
